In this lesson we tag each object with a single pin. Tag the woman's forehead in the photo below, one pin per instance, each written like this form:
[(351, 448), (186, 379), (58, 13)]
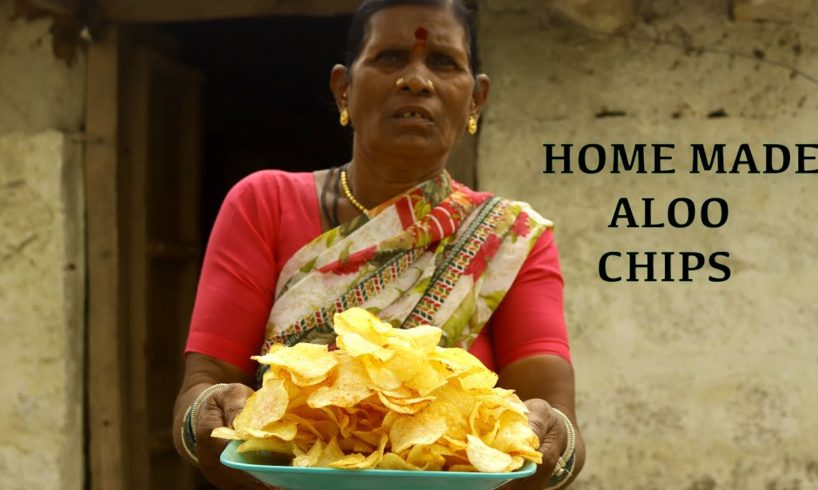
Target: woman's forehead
[(405, 22)]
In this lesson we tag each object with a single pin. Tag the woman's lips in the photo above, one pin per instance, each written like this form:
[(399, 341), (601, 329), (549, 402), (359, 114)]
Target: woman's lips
[(413, 112)]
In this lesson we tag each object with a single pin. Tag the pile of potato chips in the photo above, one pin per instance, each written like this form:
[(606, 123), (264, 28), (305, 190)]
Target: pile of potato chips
[(387, 398)]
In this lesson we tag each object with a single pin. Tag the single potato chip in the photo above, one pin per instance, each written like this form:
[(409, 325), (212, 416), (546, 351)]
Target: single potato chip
[(360, 332), (308, 364), (310, 458), (422, 338), (392, 461), (425, 427), (270, 404), (426, 457), (350, 387), (331, 454), (225, 433), (485, 458), (355, 461), (272, 445), (408, 406)]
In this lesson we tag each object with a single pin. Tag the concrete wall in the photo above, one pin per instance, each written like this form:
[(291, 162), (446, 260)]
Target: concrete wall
[(694, 385), (42, 288)]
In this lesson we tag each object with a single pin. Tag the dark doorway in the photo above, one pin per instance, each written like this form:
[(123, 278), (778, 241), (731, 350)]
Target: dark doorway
[(267, 102), (205, 104)]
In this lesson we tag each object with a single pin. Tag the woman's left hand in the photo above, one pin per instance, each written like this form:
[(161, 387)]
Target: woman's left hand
[(550, 429), (536, 379)]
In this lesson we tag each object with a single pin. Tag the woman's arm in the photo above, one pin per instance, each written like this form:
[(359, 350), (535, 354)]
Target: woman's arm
[(233, 302), (530, 343), (217, 410), (546, 382)]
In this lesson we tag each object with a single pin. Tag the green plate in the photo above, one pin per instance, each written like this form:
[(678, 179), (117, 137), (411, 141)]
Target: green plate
[(293, 478)]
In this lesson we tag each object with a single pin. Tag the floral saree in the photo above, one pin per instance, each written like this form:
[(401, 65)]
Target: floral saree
[(439, 254)]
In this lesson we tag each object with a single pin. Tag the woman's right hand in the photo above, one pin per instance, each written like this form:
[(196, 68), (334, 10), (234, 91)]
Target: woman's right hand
[(219, 410)]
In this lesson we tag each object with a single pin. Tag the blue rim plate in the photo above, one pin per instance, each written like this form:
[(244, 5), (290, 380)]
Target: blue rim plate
[(295, 478)]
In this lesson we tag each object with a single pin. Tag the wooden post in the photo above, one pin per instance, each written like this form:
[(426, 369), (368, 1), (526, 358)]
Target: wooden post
[(771, 10), (105, 403), (58, 6), (135, 136), (187, 10)]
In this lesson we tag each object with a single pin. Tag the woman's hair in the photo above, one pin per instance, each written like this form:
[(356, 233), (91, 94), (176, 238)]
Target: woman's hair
[(359, 30)]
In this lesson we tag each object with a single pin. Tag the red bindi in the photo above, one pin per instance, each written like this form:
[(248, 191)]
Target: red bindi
[(420, 35)]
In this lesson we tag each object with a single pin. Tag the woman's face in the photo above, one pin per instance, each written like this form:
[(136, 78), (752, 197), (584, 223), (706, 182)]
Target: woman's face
[(408, 96)]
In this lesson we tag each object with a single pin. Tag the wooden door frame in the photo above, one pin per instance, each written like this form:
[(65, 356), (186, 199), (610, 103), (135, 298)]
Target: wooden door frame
[(105, 376)]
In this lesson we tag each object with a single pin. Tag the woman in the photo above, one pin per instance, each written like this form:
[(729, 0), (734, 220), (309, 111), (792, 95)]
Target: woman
[(389, 231)]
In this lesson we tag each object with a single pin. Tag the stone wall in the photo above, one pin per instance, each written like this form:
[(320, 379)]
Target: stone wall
[(42, 289), (681, 385)]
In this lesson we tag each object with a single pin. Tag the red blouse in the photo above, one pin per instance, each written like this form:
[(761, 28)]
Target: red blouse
[(271, 214)]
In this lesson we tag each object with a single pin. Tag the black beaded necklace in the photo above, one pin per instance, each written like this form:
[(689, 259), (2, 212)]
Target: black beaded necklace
[(331, 218)]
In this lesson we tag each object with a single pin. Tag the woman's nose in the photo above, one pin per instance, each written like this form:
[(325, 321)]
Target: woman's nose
[(415, 82)]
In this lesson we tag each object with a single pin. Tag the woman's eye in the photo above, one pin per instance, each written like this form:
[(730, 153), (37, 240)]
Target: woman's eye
[(391, 57), (442, 61)]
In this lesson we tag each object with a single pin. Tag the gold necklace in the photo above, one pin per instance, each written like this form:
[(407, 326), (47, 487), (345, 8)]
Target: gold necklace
[(347, 192)]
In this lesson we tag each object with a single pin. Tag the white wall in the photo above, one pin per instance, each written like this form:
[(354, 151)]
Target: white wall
[(694, 385), (42, 289)]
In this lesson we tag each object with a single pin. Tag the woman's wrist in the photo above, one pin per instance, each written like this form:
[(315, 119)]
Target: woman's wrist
[(565, 463), (188, 439), (191, 418)]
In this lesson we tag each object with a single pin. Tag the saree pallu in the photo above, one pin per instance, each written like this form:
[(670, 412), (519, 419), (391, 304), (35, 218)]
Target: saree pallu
[(439, 254)]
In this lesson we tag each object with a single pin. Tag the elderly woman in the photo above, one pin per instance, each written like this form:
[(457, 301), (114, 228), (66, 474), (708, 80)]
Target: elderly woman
[(389, 231)]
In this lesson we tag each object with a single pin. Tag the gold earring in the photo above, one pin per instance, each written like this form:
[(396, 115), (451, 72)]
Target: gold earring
[(344, 119), (472, 126)]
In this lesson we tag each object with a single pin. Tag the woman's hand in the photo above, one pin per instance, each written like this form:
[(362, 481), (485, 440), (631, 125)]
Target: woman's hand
[(216, 410), (219, 410), (553, 435), (536, 379)]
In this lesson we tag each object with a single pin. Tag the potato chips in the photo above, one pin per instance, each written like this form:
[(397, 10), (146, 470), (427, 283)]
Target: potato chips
[(387, 398)]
